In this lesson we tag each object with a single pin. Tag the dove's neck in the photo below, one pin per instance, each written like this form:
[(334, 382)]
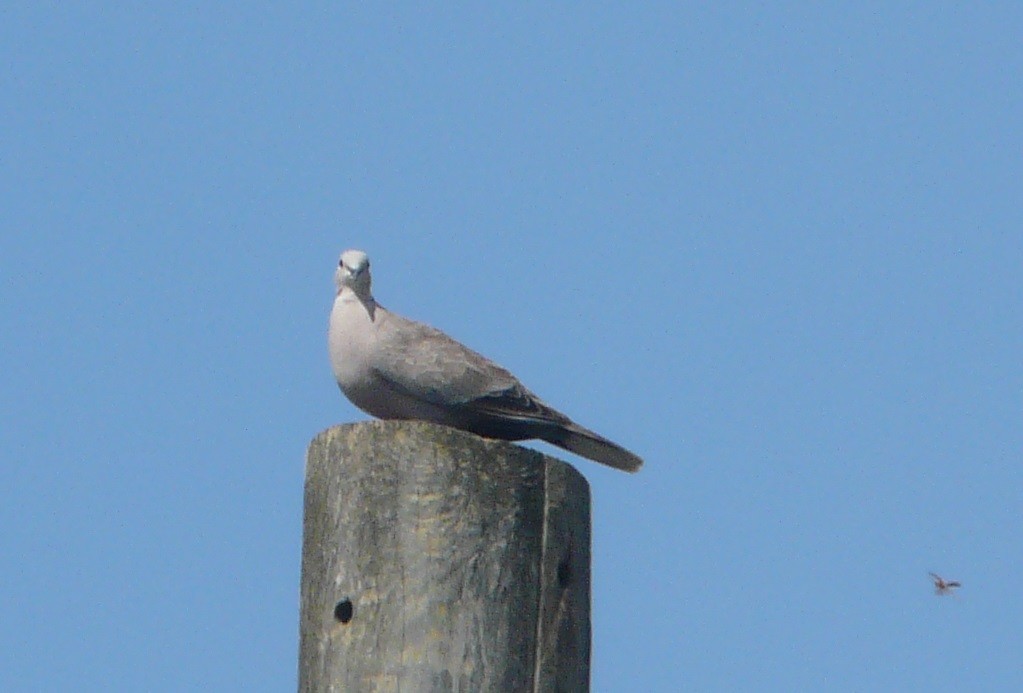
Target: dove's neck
[(364, 299)]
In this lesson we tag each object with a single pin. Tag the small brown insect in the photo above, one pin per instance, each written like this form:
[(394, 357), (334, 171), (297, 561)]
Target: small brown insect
[(943, 586)]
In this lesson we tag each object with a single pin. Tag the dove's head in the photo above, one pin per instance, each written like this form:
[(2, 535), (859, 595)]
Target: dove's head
[(353, 272)]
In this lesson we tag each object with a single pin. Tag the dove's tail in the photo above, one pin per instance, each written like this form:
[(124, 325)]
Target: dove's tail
[(592, 446)]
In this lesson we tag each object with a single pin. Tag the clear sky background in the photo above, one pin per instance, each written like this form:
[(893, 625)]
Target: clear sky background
[(774, 249)]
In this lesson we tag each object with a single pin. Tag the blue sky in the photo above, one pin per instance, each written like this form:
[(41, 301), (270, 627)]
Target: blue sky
[(774, 249)]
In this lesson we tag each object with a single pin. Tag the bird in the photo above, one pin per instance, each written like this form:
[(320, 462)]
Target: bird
[(392, 367), (943, 586)]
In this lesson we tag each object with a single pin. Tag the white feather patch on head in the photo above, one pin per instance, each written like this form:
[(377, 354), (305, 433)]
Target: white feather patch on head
[(355, 260)]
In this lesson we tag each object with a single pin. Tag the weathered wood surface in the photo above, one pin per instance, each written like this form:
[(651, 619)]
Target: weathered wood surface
[(435, 560)]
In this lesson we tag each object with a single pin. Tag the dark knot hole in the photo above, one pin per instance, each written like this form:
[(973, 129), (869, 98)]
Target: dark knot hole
[(564, 573), (343, 610)]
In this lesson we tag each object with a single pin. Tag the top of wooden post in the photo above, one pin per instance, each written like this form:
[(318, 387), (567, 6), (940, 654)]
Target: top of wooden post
[(434, 559)]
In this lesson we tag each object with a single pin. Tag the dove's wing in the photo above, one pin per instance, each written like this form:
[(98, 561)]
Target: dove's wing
[(476, 394)]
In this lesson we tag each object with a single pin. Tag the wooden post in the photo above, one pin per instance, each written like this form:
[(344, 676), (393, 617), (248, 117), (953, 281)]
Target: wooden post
[(435, 560)]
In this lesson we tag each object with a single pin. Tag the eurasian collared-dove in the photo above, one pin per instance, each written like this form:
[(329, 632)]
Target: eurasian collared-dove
[(394, 368)]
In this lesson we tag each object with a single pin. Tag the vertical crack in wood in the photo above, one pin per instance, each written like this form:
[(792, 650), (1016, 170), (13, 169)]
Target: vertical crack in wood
[(541, 597)]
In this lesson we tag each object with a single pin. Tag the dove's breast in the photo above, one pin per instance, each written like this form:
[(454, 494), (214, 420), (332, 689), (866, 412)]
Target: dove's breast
[(352, 339)]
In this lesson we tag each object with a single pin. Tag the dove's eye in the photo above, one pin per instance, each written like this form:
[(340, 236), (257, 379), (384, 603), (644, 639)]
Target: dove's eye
[(340, 263)]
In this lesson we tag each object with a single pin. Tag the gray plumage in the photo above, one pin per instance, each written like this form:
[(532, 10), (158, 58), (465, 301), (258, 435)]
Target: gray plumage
[(395, 368)]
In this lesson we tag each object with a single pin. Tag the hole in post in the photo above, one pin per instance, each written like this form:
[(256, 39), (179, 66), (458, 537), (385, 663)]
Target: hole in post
[(564, 573), (343, 610)]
